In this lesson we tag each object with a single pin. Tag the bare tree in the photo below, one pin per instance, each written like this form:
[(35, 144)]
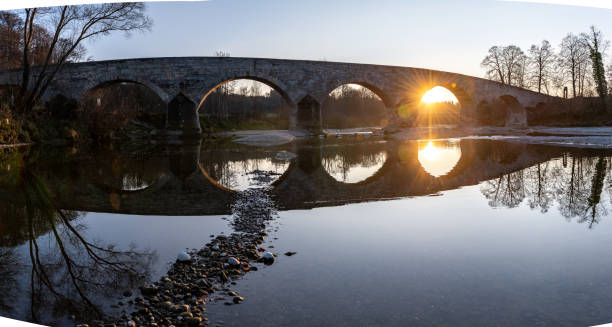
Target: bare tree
[(493, 65), (10, 40), (69, 26), (573, 58), (505, 65), (541, 58)]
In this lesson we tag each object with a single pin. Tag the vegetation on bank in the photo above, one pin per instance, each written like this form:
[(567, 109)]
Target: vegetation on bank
[(40, 42), (576, 69)]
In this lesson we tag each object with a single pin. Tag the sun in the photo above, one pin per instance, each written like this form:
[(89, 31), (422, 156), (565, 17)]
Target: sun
[(439, 94)]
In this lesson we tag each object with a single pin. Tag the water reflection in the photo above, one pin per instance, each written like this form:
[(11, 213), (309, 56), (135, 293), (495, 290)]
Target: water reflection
[(353, 163), (49, 261), (576, 187), (438, 158), (44, 249), (239, 167)]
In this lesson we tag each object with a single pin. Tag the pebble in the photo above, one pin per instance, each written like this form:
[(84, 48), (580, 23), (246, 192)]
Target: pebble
[(179, 298), (290, 253), (183, 257), (148, 291), (193, 321)]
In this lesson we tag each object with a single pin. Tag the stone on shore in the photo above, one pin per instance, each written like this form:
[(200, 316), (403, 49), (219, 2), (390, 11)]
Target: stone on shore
[(183, 257)]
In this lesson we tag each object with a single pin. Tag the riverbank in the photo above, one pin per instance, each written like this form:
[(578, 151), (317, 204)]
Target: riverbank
[(598, 137), (4, 146)]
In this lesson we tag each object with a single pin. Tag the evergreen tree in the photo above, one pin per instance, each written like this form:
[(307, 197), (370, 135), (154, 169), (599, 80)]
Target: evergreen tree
[(596, 45)]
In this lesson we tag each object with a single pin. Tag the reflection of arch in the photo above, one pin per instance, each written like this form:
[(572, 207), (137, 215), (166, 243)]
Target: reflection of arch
[(365, 180), (95, 85), (438, 160), (212, 180), (376, 90), (276, 85), (156, 185)]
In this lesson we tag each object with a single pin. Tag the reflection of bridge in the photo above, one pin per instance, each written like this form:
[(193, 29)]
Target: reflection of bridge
[(184, 83), (179, 186)]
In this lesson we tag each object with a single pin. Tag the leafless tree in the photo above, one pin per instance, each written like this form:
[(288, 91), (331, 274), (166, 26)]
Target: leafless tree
[(493, 64), (541, 59), (505, 64), (69, 26), (573, 58)]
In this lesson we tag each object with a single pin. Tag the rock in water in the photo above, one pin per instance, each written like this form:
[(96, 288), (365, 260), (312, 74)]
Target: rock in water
[(233, 261), (290, 253), (183, 257), (285, 155), (268, 258)]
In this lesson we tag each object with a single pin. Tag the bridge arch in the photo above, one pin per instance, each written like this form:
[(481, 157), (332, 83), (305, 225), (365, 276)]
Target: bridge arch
[(355, 104), (276, 85), (137, 99), (384, 96), (412, 93), (504, 110), (100, 83)]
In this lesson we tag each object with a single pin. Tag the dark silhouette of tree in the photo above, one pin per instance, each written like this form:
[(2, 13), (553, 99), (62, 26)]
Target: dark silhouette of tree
[(593, 210), (68, 27), (541, 58), (573, 57), (596, 45), (505, 64), (69, 274)]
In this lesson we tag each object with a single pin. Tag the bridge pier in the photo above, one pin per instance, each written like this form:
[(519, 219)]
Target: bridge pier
[(309, 115), (183, 116)]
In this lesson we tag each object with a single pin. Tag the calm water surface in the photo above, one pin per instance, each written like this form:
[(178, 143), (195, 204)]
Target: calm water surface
[(428, 233)]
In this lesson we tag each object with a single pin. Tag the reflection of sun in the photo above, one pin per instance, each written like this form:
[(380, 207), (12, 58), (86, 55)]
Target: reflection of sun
[(429, 152), (439, 94), (438, 158)]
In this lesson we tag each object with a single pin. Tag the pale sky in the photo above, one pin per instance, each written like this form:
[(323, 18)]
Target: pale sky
[(447, 35)]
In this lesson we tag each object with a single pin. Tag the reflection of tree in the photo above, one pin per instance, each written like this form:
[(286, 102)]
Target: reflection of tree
[(233, 169), (576, 186), (538, 186), (69, 274), (507, 190), (593, 201), (8, 270), (572, 189), (338, 160)]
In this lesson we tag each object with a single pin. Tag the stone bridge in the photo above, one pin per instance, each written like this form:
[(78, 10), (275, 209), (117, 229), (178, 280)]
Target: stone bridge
[(183, 83)]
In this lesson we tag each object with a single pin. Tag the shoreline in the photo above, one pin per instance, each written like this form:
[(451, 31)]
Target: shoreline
[(5, 146)]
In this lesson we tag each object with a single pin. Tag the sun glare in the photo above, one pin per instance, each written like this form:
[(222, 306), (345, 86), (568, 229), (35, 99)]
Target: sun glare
[(439, 94)]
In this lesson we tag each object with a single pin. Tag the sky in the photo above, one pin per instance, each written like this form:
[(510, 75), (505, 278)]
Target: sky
[(447, 35)]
